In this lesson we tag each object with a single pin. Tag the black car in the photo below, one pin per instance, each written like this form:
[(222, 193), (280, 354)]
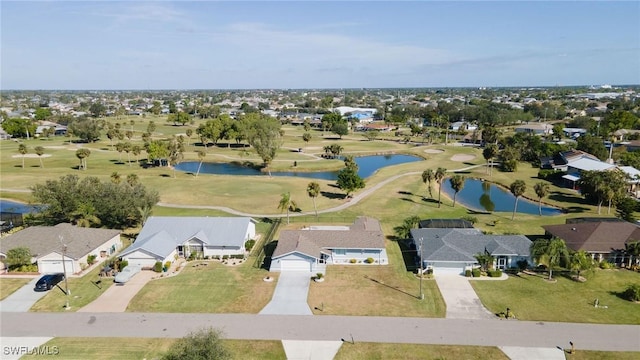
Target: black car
[(48, 281)]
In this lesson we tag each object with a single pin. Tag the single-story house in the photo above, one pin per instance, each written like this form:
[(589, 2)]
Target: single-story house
[(164, 238), (535, 129), (561, 160), (454, 250), (312, 248), (604, 240), (47, 244)]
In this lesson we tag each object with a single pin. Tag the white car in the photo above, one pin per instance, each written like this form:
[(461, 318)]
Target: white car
[(127, 273)]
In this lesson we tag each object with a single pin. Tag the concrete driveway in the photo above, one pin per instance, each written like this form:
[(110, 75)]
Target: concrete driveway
[(462, 301), (117, 297), (290, 296), (23, 299)]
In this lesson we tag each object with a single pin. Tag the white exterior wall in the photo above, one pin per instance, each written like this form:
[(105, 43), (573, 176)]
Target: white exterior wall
[(144, 259), (276, 264), (379, 256), (53, 263), (216, 251)]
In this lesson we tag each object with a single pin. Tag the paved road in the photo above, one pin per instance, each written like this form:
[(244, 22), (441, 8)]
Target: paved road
[(327, 328), (24, 298)]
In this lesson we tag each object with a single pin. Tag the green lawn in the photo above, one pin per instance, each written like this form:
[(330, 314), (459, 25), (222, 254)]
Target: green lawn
[(152, 348), (533, 298), (82, 290), (371, 351), (214, 288), (9, 285)]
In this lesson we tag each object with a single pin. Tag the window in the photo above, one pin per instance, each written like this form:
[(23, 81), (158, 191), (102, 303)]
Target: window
[(340, 251)]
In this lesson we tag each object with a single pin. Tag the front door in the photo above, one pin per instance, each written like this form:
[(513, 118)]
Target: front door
[(502, 262)]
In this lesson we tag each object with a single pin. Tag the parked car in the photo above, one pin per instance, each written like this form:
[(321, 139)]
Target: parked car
[(48, 281), (127, 273)]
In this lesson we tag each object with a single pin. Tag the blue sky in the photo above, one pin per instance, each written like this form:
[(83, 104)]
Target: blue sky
[(305, 44)]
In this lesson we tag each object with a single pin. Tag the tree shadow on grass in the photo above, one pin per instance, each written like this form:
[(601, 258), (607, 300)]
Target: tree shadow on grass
[(268, 252), (408, 252), (405, 193), (165, 175), (428, 200), (568, 198), (332, 195), (576, 209)]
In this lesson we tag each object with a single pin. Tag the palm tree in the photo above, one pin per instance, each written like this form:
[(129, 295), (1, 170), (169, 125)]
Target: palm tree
[(22, 149), (201, 155), (517, 188), (287, 204), (427, 177), (313, 190), (132, 179), (115, 177), (542, 190), (581, 261), (457, 183), (489, 152), (549, 252), (144, 212), (439, 176), (485, 260), (84, 216), (83, 154), (39, 151), (632, 249)]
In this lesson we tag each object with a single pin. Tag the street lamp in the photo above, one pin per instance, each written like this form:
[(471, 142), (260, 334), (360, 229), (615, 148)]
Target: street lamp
[(64, 270), (421, 271)]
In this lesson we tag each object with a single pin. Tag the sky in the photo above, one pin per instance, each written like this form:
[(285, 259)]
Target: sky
[(108, 45)]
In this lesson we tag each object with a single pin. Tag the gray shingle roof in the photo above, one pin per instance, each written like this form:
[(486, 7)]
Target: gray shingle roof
[(161, 234), (43, 240), (365, 233), (464, 244)]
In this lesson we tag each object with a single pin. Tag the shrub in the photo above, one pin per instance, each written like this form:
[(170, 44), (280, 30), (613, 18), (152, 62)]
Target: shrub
[(91, 259), (225, 257), (429, 271), (192, 256), (522, 264), (472, 219), (604, 264), (158, 266), (26, 268), (123, 264), (632, 292), (475, 272), (201, 344), (167, 265), (319, 275), (494, 273), (83, 266), (369, 261), (467, 273), (249, 244), (550, 175), (236, 256), (353, 261)]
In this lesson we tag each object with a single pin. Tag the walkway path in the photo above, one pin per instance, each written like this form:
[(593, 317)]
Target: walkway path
[(327, 328)]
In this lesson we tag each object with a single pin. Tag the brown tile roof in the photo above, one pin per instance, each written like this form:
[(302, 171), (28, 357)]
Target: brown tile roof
[(602, 237), (43, 240), (365, 233)]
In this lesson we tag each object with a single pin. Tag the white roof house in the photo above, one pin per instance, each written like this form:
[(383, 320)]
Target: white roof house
[(164, 238), (586, 164)]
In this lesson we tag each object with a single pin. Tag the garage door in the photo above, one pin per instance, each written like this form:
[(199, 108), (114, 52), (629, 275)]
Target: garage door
[(448, 268), (143, 263), (295, 265), (55, 266)]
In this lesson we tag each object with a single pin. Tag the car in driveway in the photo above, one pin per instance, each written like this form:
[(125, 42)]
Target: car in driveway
[(48, 281), (127, 273)]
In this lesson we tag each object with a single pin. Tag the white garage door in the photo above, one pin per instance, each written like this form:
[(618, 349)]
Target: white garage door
[(295, 265), (146, 262), (55, 266), (448, 268)]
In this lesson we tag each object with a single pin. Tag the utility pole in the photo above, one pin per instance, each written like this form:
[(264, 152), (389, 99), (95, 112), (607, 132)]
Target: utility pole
[(421, 271), (64, 270)]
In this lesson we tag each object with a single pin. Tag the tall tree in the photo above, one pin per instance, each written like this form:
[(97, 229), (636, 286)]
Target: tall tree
[(550, 252), (489, 152), (439, 176), (201, 156), (581, 261), (22, 149), (83, 154), (286, 203), (39, 151), (349, 180), (457, 183), (313, 190), (198, 345), (517, 188), (264, 136), (542, 190), (427, 178)]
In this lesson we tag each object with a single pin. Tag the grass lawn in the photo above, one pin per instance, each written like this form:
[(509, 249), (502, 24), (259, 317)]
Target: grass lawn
[(215, 288), (9, 285), (532, 298), (82, 290), (152, 348), (362, 290), (371, 351), (603, 355)]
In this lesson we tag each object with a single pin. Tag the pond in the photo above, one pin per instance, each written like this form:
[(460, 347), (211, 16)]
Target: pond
[(16, 207), (367, 166), (484, 196)]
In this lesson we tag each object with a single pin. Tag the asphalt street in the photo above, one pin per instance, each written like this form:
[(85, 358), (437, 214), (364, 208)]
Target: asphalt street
[(327, 328)]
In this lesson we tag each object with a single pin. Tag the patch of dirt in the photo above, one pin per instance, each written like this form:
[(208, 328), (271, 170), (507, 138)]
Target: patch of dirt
[(434, 151), (462, 157), (31, 156)]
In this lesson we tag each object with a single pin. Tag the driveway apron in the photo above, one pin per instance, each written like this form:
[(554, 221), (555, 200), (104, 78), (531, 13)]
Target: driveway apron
[(290, 296), (462, 301), (24, 298), (117, 297)]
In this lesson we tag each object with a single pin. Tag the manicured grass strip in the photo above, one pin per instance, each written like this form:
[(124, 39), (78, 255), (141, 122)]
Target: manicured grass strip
[(375, 290), (151, 348), (8, 286), (533, 298), (82, 292), (603, 355), (373, 351), (213, 288)]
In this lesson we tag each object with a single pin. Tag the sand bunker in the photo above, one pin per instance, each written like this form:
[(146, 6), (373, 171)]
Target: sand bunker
[(434, 151), (31, 156), (462, 157)]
